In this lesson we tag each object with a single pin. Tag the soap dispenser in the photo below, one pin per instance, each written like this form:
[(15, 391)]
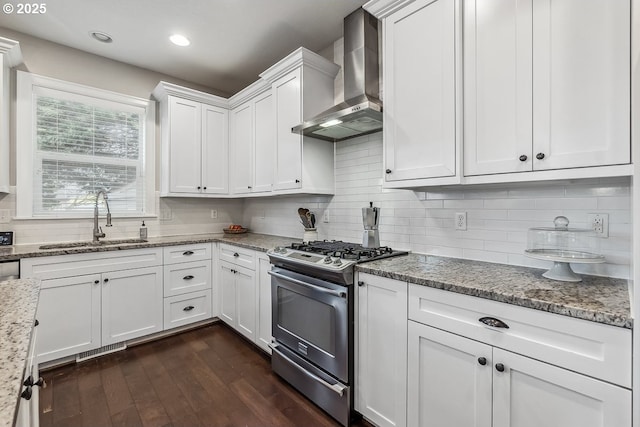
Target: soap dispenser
[(143, 231)]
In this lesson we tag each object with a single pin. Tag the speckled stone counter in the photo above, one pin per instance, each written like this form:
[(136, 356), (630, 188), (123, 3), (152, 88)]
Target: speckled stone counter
[(17, 314), (258, 242), (599, 299)]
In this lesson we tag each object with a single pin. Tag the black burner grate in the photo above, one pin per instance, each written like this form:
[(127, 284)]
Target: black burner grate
[(345, 250)]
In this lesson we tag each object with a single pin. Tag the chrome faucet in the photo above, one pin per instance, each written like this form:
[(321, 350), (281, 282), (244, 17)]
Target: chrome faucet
[(97, 231)]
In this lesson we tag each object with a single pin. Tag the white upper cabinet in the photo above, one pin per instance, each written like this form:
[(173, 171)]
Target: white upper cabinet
[(194, 142), (581, 80), (264, 143), (241, 148), (288, 112), (302, 86), (497, 86), (10, 56), (547, 85), (420, 73), (251, 143)]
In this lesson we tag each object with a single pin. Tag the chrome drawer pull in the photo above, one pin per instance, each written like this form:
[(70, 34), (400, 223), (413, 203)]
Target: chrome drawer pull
[(189, 277), (340, 294), (493, 322), (336, 388), (188, 308)]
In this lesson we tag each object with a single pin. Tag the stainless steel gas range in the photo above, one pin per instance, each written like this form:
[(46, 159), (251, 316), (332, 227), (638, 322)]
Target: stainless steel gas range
[(312, 294)]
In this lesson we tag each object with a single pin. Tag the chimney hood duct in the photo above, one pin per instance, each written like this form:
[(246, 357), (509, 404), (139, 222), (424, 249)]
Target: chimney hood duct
[(361, 112)]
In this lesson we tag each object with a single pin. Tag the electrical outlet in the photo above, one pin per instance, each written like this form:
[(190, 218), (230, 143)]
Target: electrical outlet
[(460, 220), (214, 214), (599, 223), (325, 216), (5, 216)]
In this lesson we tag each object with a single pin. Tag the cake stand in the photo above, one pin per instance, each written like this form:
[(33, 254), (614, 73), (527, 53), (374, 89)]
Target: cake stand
[(563, 245)]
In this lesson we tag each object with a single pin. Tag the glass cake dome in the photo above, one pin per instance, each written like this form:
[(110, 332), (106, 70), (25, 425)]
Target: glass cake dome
[(563, 245)]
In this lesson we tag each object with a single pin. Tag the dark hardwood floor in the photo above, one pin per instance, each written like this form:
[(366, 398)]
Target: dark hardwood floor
[(205, 377)]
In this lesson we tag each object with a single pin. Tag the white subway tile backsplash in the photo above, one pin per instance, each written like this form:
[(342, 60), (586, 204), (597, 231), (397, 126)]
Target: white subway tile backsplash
[(498, 216), (614, 203), (509, 204), (566, 203)]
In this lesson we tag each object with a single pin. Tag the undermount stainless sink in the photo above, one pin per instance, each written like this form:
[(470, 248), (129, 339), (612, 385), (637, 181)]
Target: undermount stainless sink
[(71, 245)]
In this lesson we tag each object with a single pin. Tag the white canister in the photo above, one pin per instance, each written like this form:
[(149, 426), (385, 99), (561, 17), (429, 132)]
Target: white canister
[(310, 235)]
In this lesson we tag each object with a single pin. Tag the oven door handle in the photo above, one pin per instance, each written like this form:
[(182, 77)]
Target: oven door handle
[(336, 388), (341, 294)]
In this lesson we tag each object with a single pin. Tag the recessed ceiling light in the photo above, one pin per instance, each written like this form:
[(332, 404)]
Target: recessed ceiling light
[(101, 37), (179, 40)]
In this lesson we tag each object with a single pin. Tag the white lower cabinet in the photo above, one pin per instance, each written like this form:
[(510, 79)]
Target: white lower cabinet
[(263, 295), (187, 308), (449, 379), (381, 359), (529, 393), (82, 313), (131, 304), (70, 316), (187, 284), (92, 300), (455, 380), (238, 298)]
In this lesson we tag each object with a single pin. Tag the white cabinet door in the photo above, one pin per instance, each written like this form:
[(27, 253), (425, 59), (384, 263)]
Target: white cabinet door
[(185, 160), (529, 393), (381, 365), (245, 285), (263, 295), (264, 143), (497, 86), (449, 379), (581, 83), (69, 316), (215, 143), (227, 289), (420, 91), (132, 304), (241, 148), (288, 113)]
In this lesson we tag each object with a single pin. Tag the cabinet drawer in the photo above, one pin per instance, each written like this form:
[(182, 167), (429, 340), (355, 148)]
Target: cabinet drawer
[(53, 267), (591, 348), (238, 256), (187, 253), (187, 308), (187, 277)]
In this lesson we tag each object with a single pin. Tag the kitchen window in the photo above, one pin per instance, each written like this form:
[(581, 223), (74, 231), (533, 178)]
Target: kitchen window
[(75, 140)]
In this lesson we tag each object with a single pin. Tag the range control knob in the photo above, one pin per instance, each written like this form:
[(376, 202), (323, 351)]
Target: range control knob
[(327, 260), (337, 261)]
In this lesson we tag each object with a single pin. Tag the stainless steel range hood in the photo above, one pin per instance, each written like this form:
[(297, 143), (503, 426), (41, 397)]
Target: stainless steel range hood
[(361, 113)]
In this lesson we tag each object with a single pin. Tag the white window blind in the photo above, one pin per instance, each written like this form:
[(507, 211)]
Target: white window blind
[(81, 144)]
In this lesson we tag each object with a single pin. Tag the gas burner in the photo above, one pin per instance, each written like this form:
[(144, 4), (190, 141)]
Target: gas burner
[(345, 250)]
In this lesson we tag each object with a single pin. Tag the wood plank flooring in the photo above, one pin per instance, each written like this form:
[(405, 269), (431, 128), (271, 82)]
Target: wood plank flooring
[(206, 377)]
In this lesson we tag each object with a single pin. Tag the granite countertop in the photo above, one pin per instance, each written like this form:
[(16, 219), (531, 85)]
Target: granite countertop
[(599, 299), (17, 314), (254, 241)]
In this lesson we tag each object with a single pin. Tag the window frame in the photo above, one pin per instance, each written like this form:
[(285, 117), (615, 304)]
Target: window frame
[(27, 86)]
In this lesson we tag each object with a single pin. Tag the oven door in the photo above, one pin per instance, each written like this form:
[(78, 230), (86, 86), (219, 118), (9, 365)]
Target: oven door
[(310, 317)]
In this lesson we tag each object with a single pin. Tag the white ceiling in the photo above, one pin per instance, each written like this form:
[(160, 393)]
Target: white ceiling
[(232, 41)]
